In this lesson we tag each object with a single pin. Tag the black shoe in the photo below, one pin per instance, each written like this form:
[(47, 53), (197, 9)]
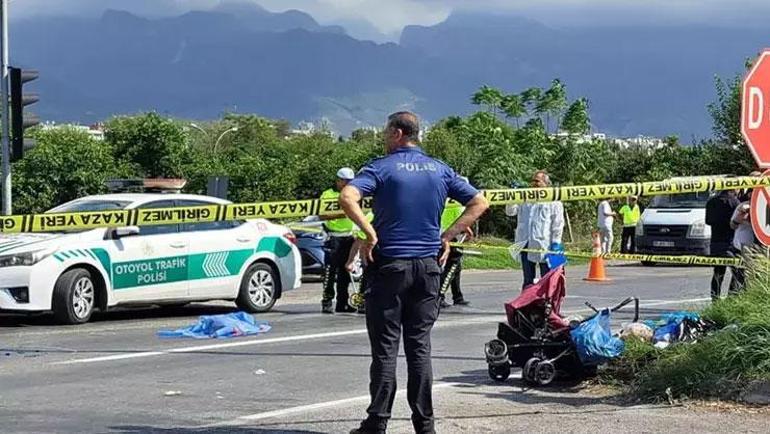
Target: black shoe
[(461, 302), (443, 304), (361, 430), (345, 309), (326, 308)]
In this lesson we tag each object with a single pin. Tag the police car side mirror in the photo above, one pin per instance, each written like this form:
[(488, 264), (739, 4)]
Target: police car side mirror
[(126, 231)]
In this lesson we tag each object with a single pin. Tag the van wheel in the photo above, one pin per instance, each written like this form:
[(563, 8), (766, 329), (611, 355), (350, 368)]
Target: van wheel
[(258, 288), (74, 297)]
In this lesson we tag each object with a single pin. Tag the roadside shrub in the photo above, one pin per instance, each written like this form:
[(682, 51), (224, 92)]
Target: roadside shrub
[(720, 365)]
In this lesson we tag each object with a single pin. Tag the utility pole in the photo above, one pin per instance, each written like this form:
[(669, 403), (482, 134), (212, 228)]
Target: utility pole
[(6, 143)]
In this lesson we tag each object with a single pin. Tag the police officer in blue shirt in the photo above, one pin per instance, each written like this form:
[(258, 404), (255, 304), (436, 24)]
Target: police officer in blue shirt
[(402, 244)]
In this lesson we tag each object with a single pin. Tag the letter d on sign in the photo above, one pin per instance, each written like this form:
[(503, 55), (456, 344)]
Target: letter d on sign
[(756, 107)]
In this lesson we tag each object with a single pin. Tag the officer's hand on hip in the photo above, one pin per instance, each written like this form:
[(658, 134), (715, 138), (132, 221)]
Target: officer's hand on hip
[(367, 247), (444, 249), (469, 233)]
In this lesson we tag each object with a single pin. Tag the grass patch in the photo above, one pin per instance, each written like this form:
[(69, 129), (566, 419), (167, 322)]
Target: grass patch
[(495, 255), (720, 365)]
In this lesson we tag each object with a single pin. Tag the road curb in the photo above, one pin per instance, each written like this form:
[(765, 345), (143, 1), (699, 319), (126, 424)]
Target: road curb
[(757, 393)]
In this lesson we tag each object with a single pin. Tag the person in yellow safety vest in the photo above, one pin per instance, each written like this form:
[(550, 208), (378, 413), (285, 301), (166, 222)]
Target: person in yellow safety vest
[(631, 213), (450, 275), (340, 231)]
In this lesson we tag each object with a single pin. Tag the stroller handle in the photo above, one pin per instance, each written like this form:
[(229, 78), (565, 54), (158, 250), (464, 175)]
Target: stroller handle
[(619, 306)]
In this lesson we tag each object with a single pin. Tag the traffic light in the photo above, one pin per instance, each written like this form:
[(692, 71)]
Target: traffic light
[(19, 120)]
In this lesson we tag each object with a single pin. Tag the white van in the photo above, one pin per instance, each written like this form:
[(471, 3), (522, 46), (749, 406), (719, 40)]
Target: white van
[(674, 225)]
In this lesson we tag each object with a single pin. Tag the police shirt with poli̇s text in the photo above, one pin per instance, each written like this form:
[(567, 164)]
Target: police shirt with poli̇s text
[(409, 191)]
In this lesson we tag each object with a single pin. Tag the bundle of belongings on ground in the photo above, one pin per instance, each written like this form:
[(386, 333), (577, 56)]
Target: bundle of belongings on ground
[(670, 328), (219, 326), (544, 344)]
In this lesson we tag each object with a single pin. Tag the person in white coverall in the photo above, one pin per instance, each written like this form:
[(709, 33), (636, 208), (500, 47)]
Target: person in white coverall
[(539, 226), (605, 220)]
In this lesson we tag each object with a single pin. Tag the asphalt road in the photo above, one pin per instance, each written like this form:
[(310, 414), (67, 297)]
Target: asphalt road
[(310, 372)]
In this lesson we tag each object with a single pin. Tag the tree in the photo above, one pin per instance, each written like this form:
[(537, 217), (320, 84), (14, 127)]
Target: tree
[(489, 97), (362, 135), (726, 112), (576, 119), (513, 107), (65, 164), (529, 98), (254, 132), (552, 102), (728, 153), (155, 146)]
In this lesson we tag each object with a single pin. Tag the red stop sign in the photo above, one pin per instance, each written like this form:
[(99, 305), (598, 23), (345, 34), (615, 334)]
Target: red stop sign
[(755, 111)]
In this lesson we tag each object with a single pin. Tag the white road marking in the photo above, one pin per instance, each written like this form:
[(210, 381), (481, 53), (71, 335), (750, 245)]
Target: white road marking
[(260, 341), (365, 398), (257, 341), (213, 347), (311, 407)]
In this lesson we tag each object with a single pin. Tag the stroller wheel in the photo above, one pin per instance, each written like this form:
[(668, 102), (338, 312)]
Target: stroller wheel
[(496, 352), (545, 373), (528, 372), (500, 373)]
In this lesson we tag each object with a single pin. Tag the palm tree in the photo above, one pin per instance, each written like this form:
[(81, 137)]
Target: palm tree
[(513, 107), (489, 97), (552, 102), (529, 99)]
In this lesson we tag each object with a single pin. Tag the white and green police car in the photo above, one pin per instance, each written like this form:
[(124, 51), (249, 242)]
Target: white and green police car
[(74, 273)]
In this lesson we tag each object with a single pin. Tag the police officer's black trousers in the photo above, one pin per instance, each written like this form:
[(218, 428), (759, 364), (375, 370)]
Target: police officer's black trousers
[(403, 298), (628, 240), (337, 250), (450, 277)]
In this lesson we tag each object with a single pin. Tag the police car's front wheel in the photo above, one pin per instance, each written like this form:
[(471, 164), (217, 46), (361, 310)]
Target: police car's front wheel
[(258, 288), (74, 297)]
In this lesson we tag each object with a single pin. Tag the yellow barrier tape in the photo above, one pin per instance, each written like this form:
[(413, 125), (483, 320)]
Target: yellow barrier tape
[(609, 191), (308, 207), (664, 259)]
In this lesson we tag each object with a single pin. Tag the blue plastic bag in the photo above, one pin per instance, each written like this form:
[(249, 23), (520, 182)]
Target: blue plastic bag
[(219, 326), (555, 259), (667, 327), (594, 341)]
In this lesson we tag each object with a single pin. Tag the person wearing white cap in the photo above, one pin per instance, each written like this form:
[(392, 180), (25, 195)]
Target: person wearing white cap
[(337, 248)]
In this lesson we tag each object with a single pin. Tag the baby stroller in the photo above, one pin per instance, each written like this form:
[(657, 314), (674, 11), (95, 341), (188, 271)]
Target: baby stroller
[(537, 338)]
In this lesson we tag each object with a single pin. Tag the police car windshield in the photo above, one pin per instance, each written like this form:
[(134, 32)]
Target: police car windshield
[(90, 205), (680, 201)]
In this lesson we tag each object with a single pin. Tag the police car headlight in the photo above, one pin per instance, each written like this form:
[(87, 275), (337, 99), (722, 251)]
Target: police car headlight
[(24, 259), (697, 230), (639, 229)]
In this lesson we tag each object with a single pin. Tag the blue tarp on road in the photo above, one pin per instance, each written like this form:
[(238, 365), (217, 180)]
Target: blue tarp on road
[(220, 326)]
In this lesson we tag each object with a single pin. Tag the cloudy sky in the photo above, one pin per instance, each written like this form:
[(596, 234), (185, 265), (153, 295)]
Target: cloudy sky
[(390, 16)]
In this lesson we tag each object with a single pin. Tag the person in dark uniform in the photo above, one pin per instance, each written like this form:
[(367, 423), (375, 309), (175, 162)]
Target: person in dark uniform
[(340, 232), (450, 276), (409, 191), (719, 213)]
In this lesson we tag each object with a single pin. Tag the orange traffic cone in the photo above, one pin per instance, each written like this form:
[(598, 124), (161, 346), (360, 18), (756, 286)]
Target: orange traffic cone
[(596, 270)]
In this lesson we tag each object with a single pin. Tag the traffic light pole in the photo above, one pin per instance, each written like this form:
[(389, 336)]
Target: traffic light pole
[(6, 143)]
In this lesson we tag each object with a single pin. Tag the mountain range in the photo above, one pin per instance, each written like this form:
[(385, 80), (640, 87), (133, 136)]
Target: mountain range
[(652, 80)]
